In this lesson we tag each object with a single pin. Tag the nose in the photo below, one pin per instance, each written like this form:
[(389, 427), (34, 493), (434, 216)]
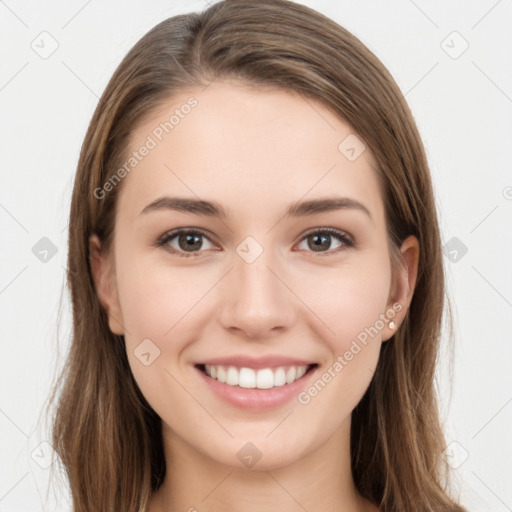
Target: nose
[(256, 300)]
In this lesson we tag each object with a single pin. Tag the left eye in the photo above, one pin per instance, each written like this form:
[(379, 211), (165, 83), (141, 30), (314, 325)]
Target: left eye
[(321, 240), (187, 243)]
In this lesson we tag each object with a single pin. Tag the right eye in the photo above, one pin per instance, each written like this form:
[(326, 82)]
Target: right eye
[(183, 242)]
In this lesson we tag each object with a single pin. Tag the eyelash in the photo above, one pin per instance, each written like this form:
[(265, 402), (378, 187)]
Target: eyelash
[(341, 236)]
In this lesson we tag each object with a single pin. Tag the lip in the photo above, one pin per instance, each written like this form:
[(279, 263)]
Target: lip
[(241, 361), (253, 398)]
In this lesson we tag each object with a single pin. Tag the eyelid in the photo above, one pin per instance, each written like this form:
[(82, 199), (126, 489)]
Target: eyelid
[(178, 231), (332, 231)]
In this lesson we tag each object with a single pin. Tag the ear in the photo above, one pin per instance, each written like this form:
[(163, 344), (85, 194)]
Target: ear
[(103, 273), (404, 284)]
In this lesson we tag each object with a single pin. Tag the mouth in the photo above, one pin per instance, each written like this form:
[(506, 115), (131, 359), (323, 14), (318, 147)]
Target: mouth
[(256, 378)]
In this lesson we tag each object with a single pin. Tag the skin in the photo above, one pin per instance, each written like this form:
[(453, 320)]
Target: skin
[(255, 151)]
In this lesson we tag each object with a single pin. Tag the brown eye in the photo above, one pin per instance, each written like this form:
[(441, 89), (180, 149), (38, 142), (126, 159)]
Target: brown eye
[(190, 242), (321, 241), (183, 241)]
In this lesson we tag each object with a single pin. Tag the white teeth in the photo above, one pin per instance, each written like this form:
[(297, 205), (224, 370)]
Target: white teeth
[(232, 376), (221, 373), (279, 377), (291, 374), (266, 378), (247, 378)]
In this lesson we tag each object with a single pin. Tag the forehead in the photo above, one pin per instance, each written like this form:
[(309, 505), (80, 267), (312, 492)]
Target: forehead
[(248, 148)]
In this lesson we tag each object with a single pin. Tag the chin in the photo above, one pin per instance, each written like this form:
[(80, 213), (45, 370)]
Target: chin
[(259, 452)]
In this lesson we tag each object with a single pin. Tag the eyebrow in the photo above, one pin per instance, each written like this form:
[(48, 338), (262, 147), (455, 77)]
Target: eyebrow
[(214, 209)]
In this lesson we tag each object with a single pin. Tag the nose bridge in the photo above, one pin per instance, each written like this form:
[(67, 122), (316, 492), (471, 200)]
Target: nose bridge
[(256, 300)]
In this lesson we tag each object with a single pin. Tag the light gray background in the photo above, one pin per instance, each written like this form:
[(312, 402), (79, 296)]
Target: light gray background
[(463, 107)]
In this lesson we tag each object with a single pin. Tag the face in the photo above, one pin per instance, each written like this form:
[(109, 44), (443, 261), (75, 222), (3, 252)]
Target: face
[(255, 295)]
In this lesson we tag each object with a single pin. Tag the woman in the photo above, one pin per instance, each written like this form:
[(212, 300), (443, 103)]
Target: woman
[(256, 278)]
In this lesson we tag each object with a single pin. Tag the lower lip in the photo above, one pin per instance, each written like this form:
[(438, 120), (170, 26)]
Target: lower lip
[(254, 398)]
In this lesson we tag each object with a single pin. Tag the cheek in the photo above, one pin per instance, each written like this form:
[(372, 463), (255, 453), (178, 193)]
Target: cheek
[(348, 300), (351, 305), (155, 298), (158, 310)]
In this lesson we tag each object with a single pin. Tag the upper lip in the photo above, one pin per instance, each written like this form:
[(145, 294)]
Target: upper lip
[(242, 361)]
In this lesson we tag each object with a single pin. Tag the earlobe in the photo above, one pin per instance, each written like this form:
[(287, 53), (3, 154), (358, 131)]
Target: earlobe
[(104, 280), (404, 285)]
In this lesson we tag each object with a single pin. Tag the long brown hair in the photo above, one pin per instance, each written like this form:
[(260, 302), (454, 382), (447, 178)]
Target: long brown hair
[(106, 434)]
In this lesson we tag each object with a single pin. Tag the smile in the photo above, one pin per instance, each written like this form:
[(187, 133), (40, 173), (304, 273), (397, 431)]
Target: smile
[(256, 385), (263, 378)]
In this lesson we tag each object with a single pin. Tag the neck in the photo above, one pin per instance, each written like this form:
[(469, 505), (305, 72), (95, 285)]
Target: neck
[(320, 480)]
